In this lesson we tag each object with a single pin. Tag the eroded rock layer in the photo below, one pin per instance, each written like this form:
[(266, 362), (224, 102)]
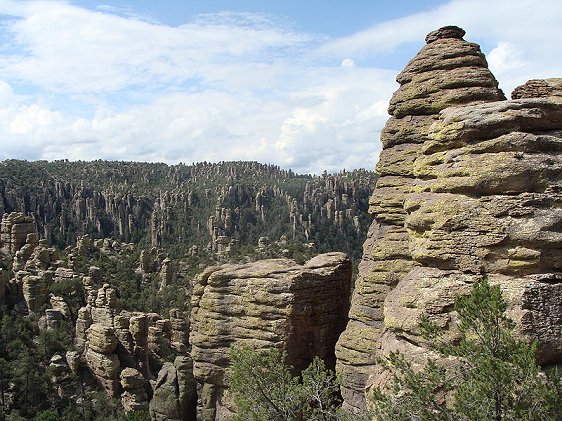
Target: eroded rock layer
[(266, 304), (470, 186)]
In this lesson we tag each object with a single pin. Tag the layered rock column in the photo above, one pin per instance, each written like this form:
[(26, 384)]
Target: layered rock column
[(14, 229), (470, 187), (175, 392), (101, 359), (266, 304), (447, 71)]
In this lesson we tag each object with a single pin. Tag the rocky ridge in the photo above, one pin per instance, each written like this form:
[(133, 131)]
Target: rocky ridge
[(469, 186)]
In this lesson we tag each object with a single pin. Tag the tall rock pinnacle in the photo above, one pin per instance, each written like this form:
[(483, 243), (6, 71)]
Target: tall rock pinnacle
[(447, 71), (466, 188)]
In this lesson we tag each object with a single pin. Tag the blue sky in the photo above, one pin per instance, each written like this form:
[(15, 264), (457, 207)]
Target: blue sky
[(304, 85)]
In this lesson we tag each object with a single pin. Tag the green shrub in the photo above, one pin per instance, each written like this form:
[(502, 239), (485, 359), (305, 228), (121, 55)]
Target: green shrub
[(264, 388), (494, 375)]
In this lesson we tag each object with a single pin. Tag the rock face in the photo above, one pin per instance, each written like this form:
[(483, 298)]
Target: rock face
[(175, 392), (470, 186), (266, 304), (14, 230)]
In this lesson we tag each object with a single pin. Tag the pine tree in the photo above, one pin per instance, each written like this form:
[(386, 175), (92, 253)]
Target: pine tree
[(495, 375), (265, 390), (263, 386)]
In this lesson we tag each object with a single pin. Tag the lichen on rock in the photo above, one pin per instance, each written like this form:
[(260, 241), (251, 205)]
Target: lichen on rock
[(266, 304), (469, 186)]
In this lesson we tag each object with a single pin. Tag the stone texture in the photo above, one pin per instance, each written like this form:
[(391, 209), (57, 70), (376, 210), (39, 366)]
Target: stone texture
[(539, 88), (125, 345), (106, 369), (267, 304), (101, 360), (14, 229), (134, 396), (101, 338), (34, 292), (50, 320), (175, 393), (179, 335), (103, 305), (470, 185), (447, 71), (25, 251)]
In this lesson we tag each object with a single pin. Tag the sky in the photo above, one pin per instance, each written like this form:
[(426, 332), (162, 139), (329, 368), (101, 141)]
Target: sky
[(301, 84)]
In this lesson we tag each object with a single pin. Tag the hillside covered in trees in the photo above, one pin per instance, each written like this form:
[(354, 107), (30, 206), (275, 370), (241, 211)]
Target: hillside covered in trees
[(101, 264), (202, 207)]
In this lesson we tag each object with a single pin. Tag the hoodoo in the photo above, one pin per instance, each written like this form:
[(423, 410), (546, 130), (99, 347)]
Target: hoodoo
[(267, 304), (470, 185)]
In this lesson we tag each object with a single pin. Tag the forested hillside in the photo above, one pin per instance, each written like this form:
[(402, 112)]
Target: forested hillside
[(216, 207), (99, 263)]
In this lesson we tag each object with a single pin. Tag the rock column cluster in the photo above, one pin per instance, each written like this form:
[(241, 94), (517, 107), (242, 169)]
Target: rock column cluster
[(14, 229)]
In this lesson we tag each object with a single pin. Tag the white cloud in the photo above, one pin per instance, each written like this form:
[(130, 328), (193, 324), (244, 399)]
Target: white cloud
[(521, 36), (74, 50), (6, 94), (83, 84), (504, 58)]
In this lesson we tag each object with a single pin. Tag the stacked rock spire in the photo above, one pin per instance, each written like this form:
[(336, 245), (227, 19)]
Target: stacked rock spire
[(466, 187)]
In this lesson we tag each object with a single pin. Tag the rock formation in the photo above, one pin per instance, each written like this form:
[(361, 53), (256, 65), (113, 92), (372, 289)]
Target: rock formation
[(14, 229), (134, 396), (470, 185), (178, 205), (266, 304), (167, 273), (60, 376), (124, 351), (101, 359), (34, 290), (175, 393)]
